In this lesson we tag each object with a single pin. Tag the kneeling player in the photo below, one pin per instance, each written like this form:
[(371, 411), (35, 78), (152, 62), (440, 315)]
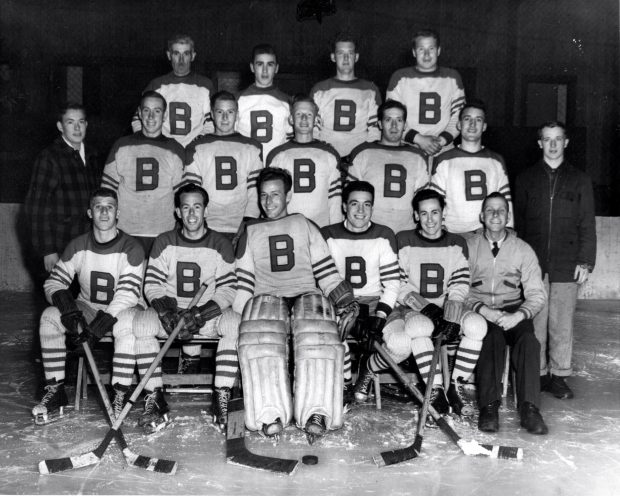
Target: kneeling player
[(436, 273), (180, 262), (279, 262), (109, 265)]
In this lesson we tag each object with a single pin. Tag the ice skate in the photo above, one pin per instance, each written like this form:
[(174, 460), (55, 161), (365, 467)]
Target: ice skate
[(51, 407), (120, 398), (220, 407), (155, 416), (315, 427), (364, 383), (458, 400)]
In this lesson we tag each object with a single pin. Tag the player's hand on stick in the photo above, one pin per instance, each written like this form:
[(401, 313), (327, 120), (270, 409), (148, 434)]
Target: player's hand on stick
[(167, 311)]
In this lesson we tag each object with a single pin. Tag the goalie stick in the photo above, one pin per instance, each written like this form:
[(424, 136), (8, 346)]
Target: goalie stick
[(95, 456), (470, 448), (403, 454), (238, 454)]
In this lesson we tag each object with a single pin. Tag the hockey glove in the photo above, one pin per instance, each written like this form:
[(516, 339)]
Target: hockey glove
[(452, 311), (101, 325), (70, 316), (167, 311), (196, 317), (347, 309)]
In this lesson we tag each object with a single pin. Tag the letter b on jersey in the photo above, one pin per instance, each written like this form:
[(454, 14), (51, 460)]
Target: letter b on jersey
[(261, 123), (180, 118), (395, 181), (147, 174), (355, 271), (303, 175), (281, 253), (430, 107), (431, 280), (344, 115), (101, 287), (475, 185), (188, 279), (225, 173)]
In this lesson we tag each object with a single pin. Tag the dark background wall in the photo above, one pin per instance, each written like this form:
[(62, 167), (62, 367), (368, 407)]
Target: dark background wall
[(501, 48)]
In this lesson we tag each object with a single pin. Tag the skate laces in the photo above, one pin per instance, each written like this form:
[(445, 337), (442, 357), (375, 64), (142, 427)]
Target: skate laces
[(50, 391), (150, 402), (119, 400), (187, 363), (316, 419), (222, 401)]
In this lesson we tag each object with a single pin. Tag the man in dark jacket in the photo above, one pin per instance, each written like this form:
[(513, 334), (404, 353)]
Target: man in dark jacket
[(554, 208)]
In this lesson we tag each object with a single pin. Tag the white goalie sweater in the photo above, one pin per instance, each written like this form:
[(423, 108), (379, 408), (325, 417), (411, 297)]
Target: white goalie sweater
[(465, 179), (433, 99), (437, 269), (367, 260), (317, 186), (227, 168), (348, 111), (109, 274), (263, 116), (283, 257), (188, 110), (397, 173), (145, 172), (178, 266)]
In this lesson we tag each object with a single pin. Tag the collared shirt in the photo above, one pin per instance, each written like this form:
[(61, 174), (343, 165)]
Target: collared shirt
[(81, 152)]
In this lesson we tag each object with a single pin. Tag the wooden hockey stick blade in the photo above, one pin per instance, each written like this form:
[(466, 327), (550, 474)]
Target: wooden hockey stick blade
[(470, 448), (238, 454), (94, 456)]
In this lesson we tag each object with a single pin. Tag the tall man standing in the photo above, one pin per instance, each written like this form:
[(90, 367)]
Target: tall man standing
[(555, 214)]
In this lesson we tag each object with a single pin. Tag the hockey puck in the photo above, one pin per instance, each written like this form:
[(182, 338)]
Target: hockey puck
[(310, 460)]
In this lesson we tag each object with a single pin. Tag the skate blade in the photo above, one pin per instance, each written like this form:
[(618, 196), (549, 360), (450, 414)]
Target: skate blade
[(49, 418), (221, 426)]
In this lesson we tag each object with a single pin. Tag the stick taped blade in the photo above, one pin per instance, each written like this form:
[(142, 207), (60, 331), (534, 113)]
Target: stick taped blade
[(68, 463)]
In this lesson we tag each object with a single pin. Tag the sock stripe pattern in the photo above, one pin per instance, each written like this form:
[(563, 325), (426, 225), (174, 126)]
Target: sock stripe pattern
[(348, 377), (53, 347), (422, 349), (466, 358), (226, 367)]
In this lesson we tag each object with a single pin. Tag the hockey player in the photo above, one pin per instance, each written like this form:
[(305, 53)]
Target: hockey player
[(508, 291), (63, 177), (180, 262), (465, 175), (279, 262), (226, 165), (435, 275), (313, 164), (365, 256), (187, 93), (347, 105), (145, 169), (433, 95), (263, 108), (395, 169), (108, 265)]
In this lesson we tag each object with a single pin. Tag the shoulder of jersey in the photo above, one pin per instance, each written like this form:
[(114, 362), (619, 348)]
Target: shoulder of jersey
[(412, 73), (291, 144), (272, 91), (191, 79), (360, 84), (132, 247), (220, 244), (207, 139), (376, 231), (376, 145), (138, 138), (412, 238)]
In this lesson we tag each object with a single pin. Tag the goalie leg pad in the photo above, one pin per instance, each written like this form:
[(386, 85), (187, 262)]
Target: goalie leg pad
[(319, 361), (263, 360)]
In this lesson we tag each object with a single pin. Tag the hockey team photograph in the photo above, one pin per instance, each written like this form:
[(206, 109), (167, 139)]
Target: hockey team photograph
[(310, 247)]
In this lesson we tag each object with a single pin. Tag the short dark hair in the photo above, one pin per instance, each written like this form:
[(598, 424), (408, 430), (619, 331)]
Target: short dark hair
[(425, 33), (103, 193), (344, 36), (475, 103), (70, 105), (153, 94), (274, 174), (223, 95), (180, 38), (263, 48), (427, 194), (301, 98), (495, 194), (552, 124), (190, 188), (390, 104), (357, 186)]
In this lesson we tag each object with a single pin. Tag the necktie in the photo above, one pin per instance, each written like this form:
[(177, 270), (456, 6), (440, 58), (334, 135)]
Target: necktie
[(495, 249)]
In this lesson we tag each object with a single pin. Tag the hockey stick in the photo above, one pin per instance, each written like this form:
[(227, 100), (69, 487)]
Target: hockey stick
[(237, 452), (94, 456), (470, 448), (403, 454)]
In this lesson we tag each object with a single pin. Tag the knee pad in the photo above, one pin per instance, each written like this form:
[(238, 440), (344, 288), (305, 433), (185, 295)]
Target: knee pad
[(124, 323), (418, 325), (146, 323), (473, 326), (228, 326), (319, 361), (50, 324), (398, 342), (263, 360)]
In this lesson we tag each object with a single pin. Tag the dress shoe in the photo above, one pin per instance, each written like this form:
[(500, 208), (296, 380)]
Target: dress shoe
[(488, 421), (531, 419)]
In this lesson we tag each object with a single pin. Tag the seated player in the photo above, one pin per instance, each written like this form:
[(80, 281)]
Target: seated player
[(395, 169), (225, 164), (313, 165), (263, 108), (347, 104), (145, 169), (280, 260), (181, 261), (508, 291), (108, 265), (365, 255), (435, 272), (465, 175)]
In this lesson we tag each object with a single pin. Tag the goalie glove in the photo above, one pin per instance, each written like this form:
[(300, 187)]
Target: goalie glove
[(70, 315), (347, 309), (196, 317), (167, 311), (101, 325)]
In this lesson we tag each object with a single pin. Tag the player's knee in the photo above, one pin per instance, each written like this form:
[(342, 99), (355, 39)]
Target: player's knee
[(146, 323), (124, 323), (228, 326), (50, 322), (474, 326), (418, 325), (398, 342)]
